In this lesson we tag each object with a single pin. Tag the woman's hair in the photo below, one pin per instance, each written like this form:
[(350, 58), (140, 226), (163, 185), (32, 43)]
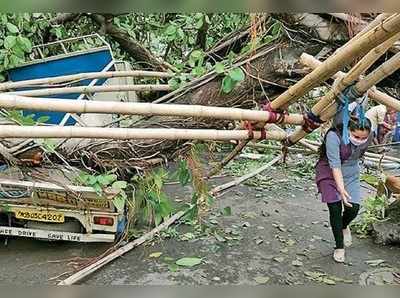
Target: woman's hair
[(354, 124)]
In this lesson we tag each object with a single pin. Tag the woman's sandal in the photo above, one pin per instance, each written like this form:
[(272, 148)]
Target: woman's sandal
[(338, 255)]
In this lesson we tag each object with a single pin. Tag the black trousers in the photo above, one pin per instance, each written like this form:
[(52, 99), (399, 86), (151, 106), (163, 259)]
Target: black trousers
[(340, 219)]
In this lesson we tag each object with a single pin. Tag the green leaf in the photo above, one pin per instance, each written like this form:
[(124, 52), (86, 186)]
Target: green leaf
[(370, 179), (198, 71), (174, 83), (173, 267), (180, 34), (227, 211), (97, 188), (188, 262), (15, 60), (6, 62), (82, 178), (27, 17), (246, 48), (4, 18), (9, 42), (196, 55), (171, 30), (103, 181), (236, 74), (110, 178), (231, 57), (155, 254), (228, 84), (119, 203), (92, 180), (219, 68), (200, 22), (276, 28), (24, 43), (157, 219), (2, 78), (17, 51), (210, 200), (165, 208), (119, 185), (12, 28)]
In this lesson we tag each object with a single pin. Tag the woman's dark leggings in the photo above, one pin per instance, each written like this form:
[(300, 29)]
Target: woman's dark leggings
[(340, 221)]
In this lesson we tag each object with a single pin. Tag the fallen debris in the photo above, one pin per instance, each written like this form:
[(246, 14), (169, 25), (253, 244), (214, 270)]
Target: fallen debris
[(78, 276)]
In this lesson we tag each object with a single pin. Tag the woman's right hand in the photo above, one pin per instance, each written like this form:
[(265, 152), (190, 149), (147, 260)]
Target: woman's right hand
[(345, 197)]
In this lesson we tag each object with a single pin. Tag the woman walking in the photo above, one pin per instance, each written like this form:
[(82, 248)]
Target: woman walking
[(338, 176)]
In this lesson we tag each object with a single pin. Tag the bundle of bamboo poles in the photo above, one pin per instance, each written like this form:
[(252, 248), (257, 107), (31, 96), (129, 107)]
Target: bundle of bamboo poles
[(360, 45), (326, 107), (360, 87), (376, 95)]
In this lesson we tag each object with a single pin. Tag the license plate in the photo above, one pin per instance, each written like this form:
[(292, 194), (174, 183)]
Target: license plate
[(32, 214)]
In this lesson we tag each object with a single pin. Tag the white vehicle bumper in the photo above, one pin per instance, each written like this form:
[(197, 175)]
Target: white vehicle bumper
[(55, 235)]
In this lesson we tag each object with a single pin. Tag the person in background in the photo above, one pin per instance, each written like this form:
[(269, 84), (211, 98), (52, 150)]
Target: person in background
[(383, 120), (338, 176)]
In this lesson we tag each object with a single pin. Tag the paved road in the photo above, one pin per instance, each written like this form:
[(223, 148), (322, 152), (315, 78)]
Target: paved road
[(283, 231)]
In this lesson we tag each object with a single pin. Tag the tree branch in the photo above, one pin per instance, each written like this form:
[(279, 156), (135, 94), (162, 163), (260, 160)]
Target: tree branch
[(62, 18), (128, 44)]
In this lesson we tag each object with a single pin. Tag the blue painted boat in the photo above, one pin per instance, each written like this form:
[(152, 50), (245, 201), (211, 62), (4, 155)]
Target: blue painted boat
[(94, 58)]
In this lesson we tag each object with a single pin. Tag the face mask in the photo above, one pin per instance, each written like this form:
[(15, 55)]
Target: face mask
[(357, 142)]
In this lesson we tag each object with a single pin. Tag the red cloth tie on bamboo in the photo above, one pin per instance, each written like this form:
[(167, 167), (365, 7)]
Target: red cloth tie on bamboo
[(250, 129), (311, 122), (275, 116)]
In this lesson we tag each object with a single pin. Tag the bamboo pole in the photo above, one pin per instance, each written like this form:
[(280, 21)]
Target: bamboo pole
[(344, 56), (83, 76), (76, 277), (68, 132), (383, 71), (92, 89), (348, 18), (147, 109), (243, 178), (376, 95), (384, 99), (387, 157)]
